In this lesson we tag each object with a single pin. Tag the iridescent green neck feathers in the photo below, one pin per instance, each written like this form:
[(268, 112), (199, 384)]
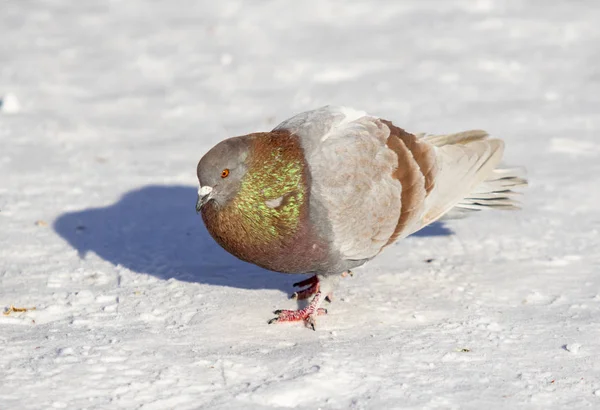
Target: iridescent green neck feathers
[(266, 219), (273, 190)]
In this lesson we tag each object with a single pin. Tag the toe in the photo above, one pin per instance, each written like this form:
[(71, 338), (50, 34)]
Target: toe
[(311, 322)]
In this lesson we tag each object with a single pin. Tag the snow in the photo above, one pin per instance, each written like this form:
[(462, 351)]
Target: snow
[(9, 104), (136, 307)]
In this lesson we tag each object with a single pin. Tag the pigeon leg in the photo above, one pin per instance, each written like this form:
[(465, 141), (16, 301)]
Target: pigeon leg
[(307, 314), (313, 279), (313, 287), (309, 291), (324, 286)]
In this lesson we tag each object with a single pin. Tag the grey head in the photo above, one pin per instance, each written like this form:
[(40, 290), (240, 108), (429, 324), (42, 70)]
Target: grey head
[(220, 171)]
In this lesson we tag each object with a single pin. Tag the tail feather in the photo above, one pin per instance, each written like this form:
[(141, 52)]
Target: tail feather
[(471, 158), (463, 137), (496, 192)]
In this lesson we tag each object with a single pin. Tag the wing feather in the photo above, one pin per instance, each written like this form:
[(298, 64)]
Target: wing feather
[(351, 169)]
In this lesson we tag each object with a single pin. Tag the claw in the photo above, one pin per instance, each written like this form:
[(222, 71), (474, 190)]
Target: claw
[(311, 322)]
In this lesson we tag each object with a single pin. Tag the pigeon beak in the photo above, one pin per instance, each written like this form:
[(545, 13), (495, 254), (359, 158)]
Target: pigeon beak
[(204, 195)]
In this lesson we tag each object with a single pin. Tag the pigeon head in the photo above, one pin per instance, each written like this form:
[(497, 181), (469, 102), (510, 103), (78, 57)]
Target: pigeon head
[(221, 170)]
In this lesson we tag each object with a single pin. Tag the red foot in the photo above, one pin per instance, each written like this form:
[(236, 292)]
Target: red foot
[(307, 314)]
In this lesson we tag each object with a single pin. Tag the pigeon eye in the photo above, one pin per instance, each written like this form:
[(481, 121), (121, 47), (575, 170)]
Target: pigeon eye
[(225, 173)]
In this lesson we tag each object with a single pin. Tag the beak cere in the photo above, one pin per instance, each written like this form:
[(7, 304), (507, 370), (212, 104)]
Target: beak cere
[(204, 195)]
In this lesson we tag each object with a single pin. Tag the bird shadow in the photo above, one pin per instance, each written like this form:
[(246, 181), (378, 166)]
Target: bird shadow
[(435, 229), (155, 230)]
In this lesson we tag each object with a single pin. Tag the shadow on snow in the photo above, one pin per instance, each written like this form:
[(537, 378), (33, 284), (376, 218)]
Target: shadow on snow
[(155, 230)]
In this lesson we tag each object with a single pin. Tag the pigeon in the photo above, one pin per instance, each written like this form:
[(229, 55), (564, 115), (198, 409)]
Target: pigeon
[(329, 189)]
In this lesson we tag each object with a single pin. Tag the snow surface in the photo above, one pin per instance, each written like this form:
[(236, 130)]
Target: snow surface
[(136, 307)]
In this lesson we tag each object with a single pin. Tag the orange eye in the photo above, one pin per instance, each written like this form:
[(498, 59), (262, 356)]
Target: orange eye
[(225, 173)]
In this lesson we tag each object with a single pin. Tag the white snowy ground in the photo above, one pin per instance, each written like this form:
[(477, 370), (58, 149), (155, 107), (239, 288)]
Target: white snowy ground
[(108, 105)]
